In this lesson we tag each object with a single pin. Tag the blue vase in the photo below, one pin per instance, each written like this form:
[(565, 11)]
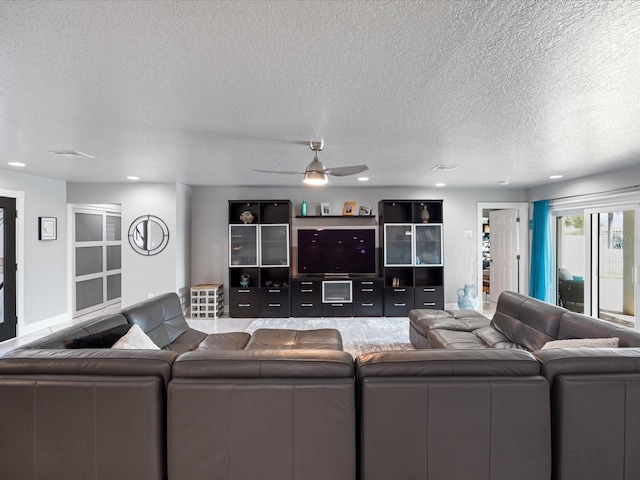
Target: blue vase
[(303, 208), (468, 298)]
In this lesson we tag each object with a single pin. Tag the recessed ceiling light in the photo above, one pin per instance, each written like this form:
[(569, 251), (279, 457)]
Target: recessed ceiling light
[(440, 184), (363, 179), (503, 182), (555, 177), (131, 177), (71, 154), (17, 164)]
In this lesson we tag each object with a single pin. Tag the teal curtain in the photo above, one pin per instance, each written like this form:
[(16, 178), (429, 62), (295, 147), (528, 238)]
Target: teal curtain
[(540, 280)]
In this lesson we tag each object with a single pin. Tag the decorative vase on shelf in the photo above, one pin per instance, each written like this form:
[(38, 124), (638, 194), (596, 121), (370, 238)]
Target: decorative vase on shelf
[(425, 214), (468, 298), (303, 208)]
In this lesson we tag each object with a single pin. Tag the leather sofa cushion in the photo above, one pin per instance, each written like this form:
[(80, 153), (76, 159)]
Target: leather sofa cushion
[(264, 364), (187, 342), (452, 339), (494, 339), (225, 341), (65, 337), (104, 339), (526, 321), (588, 361), (434, 363), (424, 320), (574, 325), (159, 317), (322, 339), (123, 363)]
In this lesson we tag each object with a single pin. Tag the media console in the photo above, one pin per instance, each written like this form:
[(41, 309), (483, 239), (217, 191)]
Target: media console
[(336, 297)]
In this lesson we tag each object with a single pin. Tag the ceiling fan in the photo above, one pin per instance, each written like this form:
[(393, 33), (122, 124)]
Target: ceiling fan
[(316, 173)]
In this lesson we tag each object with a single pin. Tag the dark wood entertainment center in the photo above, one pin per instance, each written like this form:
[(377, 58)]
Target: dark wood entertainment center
[(410, 271)]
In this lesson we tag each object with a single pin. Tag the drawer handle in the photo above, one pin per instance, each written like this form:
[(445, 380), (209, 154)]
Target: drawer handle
[(306, 304), (367, 289), (399, 289), (274, 304), (429, 304), (306, 290), (337, 304), (244, 304), (367, 283), (428, 289), (306, 283), (367, 304), (244, 291), (274, 291), (399, 304)]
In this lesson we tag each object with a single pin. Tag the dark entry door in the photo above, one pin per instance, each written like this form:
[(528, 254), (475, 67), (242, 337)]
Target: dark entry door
[(8, 319)]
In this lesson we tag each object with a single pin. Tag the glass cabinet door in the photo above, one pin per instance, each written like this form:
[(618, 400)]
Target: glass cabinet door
[(428, 249), (274, 245), (243, 245), (398, 244)]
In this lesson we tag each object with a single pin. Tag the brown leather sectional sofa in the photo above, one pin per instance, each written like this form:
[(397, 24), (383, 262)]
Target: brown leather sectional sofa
[(282, 404), (594, 392), (277, 404)]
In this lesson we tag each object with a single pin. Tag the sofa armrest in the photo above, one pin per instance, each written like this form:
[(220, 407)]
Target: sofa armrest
[(85, 362), (264, 364), (588, 361), (409, 363)]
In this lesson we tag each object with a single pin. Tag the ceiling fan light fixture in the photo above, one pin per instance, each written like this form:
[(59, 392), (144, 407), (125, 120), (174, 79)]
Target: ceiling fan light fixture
[(315, 178)]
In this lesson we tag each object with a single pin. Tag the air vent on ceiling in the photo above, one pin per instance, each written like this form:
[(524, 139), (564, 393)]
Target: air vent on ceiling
[(71, 154), (445, 167)]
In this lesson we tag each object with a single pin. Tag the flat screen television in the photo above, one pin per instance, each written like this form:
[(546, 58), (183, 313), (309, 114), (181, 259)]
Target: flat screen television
[(336, 251)]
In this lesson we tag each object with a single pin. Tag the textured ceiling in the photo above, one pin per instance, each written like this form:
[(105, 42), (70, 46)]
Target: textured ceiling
[(202, 92)]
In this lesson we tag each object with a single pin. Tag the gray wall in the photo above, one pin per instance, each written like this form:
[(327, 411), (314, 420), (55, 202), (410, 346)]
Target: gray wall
[(45, 262), (601, 183), (210, 218), (144, 275)]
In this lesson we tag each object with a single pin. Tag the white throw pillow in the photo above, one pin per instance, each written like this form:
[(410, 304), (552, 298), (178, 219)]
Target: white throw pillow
[(135, 339), (611, 342)]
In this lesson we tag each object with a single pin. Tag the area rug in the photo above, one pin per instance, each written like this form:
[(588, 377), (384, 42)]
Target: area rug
[(359, 335)]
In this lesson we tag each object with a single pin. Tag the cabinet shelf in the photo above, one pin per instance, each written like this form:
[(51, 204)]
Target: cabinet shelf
[(335, 216)]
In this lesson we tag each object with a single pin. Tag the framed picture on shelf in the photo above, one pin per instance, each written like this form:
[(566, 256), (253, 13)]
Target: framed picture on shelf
[(47, 228), (325, 209), (349, 208), (365, 210)]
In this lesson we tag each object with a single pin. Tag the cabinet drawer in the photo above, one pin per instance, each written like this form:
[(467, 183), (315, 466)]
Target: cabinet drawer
[(337, 310), (398, 294), (275, 310), (397, 309), (429, 297), (367, 290), (367, 309), (306, 309), (274, 295)]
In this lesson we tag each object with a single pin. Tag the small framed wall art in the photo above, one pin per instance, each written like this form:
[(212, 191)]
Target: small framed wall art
[(365, 210), (47, 228), (325, 209), (349, 208)]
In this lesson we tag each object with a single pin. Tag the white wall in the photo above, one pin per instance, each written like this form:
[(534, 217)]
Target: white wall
[(602, 183), (143, 275), (183, 241), (44, 272), (210, 219)]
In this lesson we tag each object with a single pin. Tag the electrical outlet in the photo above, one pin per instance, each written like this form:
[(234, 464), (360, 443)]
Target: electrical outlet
[(468, 233), (149, 295)]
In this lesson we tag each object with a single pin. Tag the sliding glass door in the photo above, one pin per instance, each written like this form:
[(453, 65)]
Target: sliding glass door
[(597, 256), (614, 234)]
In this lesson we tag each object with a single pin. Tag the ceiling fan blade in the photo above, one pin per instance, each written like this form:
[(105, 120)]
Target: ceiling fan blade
[(286, 172), (344, 171)]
